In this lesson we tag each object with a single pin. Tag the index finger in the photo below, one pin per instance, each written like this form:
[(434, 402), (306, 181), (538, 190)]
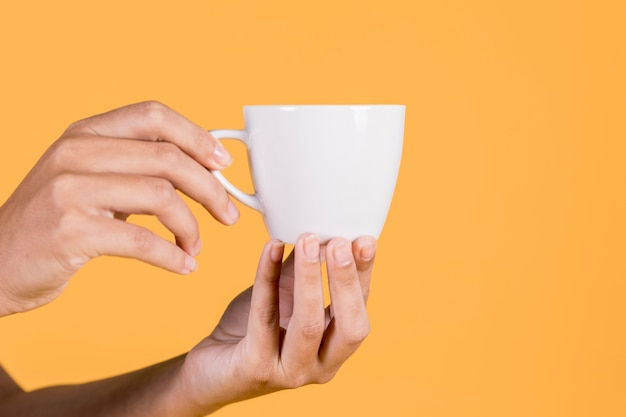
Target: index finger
[(263, 322), (153, 121)]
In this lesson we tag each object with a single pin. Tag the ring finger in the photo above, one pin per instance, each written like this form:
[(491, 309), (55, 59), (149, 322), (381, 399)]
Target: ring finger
[(107, 194)]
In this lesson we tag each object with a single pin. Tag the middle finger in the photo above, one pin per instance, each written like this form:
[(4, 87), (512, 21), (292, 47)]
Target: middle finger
[(307, 323), (156, 159)]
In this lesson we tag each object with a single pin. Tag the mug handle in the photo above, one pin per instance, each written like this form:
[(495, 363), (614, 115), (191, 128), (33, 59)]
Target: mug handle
[(250, 200)]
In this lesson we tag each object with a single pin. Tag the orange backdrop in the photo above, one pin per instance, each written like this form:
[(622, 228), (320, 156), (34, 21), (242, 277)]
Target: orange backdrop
[(500, 283)]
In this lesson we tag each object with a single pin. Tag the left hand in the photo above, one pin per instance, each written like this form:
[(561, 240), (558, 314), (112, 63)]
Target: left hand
[(278, 333)]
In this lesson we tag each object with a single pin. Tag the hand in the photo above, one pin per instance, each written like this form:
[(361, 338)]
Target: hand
[(278, 334), (71, 207), (275, 335)]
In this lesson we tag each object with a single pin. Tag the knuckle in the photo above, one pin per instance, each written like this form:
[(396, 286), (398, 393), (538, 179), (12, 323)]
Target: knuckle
[(68, 228), (142, 239), (345, 281), (62, 188), (64, 152), (268, 314), (76, 126), (301, 378), (295, 382), (164, 192), (325, 377), (312, 332), (153, 110), (60, 200), (357, 334), (168, 153)]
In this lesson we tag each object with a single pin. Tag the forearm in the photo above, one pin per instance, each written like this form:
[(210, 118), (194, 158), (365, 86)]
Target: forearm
[(155, 391)]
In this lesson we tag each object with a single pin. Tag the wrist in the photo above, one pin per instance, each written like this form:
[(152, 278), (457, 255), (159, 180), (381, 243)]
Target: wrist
[(202, 394), (170, 388)]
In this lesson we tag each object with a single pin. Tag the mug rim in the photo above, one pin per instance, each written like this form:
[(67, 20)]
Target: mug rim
[(301, 106)]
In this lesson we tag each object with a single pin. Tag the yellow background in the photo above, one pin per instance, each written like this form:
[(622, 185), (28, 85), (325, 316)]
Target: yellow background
[(500, 283)]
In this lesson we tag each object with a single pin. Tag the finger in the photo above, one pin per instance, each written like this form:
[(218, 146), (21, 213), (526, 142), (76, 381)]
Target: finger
[(106, 194), (350, 323), (364, 250), (263, 327), (285, 290), (162, 159), (307, 324), (154, 121), (117, 238)]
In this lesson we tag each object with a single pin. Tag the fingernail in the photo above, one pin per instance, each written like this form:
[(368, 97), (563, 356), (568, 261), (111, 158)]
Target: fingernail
[(276, 251), (233, 212), (222, 156), (368, 252), (190, 264), (343, 254), (311, 247)]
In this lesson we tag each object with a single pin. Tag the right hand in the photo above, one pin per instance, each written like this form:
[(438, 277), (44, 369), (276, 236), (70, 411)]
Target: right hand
[(73, 204), (278, 334)]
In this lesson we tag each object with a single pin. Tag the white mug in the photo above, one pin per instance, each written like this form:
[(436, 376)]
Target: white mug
[(326, 169)]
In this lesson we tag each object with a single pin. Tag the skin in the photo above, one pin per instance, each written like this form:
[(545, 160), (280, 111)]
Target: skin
[(67, 209), (72, 207)]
